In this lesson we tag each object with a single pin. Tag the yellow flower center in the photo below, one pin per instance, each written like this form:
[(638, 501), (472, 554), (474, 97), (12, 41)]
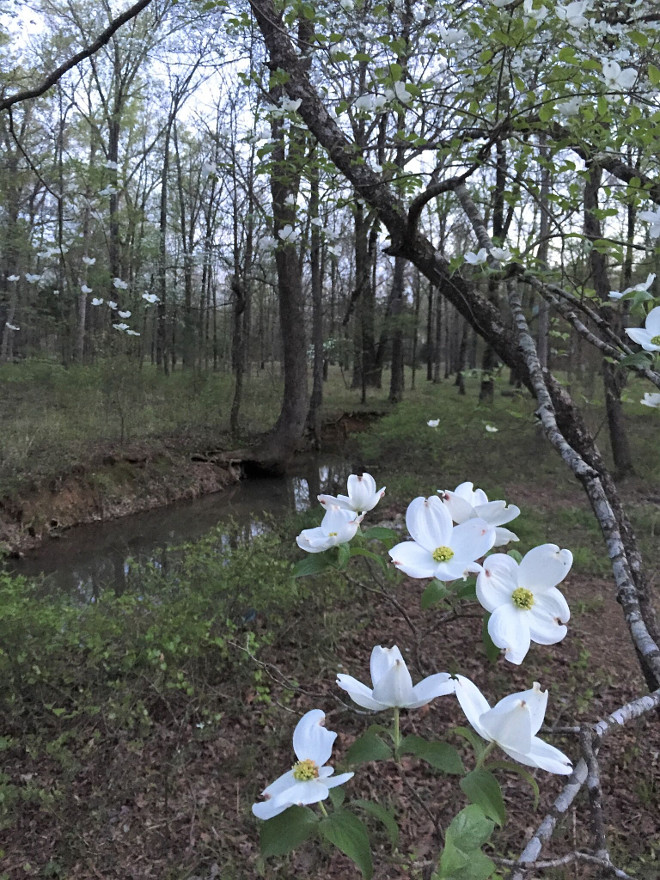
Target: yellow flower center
[(523, 598), (306, 770), (442, 554), (655, 340), (332, 534)]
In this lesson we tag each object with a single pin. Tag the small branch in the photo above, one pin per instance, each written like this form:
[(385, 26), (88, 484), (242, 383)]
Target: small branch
[(630, 711), (65, 67)]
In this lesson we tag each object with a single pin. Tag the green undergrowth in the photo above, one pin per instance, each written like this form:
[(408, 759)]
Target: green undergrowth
[(177, 648)]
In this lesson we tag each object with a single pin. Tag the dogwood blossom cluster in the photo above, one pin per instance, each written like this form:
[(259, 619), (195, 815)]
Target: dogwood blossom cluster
[(453, 533)]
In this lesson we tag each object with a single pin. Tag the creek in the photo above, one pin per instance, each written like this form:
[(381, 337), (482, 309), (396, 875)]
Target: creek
[(89, 558)]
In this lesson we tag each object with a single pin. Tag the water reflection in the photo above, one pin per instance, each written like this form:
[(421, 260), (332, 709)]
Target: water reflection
[(90, 558)]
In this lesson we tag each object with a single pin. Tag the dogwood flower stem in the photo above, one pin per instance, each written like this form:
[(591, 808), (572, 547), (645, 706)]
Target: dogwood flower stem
[(396, 736), (323, 809), (486, 752)]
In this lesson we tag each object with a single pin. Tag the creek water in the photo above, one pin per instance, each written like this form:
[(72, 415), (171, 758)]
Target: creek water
[(89, 558)]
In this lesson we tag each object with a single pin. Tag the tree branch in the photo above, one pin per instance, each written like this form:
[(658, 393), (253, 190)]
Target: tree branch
[(66, 66)]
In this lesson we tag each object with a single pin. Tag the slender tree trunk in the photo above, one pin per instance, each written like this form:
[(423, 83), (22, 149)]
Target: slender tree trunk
[(614, 378)]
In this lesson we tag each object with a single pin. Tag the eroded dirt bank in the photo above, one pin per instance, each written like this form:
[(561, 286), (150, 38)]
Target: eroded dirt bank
[(118, 481), (111, 484)]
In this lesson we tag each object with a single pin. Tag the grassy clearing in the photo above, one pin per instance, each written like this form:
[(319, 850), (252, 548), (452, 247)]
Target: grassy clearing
[(137, 731)]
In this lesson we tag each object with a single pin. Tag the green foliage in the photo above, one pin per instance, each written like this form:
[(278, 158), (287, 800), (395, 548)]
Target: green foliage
[(462, 858), (285, 832), (483, 789), (347, 833), (439, 755), (369, 747)]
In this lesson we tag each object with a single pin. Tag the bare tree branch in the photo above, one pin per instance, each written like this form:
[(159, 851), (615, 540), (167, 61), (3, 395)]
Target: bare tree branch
[(66, 66)]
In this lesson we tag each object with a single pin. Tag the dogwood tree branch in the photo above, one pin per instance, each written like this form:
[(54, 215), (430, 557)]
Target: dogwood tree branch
[(591, 479), (529, 857), (102, 39), (566, 424)]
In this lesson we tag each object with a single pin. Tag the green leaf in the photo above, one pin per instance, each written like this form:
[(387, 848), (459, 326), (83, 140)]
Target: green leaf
[(368, 747), (475, 741), (466, 589), (470, 828), (654, 75), (315, 563), (384, 816), (478, 867), (337, 796), (343, 555), (492, 651), (379, 533), (435, 592), (483, 789), (516, 768), (375, 557), (439, 755), (638, 359), (348, 834), (567, 55), (285, 832), (462, 858), (515, 554)]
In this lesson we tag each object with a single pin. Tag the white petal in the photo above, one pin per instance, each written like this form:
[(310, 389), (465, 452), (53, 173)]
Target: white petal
[(268, 809), (339, 779), (429, 523), (413, 560), (395, 688), (311, 740), (510, 726), (303, 792), (382, 660), (508, 627), (361, 491), (359, 693), (536, 701), (543, 756), (431, 687), (544, 567), (653, 321), (504, 536), (472, 539), (497, 513), (459, 509), (641, 337), (498, 581), (313, 540), (473, 703)]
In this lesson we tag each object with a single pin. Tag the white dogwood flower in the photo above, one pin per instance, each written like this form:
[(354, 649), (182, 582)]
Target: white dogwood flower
[(617, 79), (13, 278), (433, 423), (652, 217), (640, 286), (392, 684), (97, 301), (309, 780), (362, 495), (651, 399), (118, 284), (649, 335), (523, 599), (338, 526), (88, 261), (150, 298), (124, 314), (85, 289), (466, 502), (439, 549), (513, 724), (476, 259)]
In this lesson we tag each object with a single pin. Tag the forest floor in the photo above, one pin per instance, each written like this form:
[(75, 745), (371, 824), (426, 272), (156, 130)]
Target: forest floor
[(154, 772)]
